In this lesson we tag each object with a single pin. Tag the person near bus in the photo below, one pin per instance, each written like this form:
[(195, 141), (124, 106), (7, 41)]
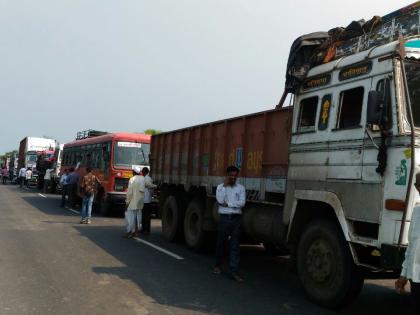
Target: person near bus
[(231, 198), (146, 211), (88, 188), (11, 174), (4, 174), (47, 179), (411, 266), (72, 182), (22, 176), (64, 185), (134, 201), (28, 176)]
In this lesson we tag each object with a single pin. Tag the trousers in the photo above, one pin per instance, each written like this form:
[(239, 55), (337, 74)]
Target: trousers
[(229, 228), (132, 220), (87, 207), (145, 221)]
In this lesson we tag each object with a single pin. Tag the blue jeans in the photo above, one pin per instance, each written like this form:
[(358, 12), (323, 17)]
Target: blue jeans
[(87, 207), (229, 226)]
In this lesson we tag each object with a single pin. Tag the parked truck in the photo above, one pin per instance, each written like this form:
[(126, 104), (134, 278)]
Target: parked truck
[(30, 151), (330, 178)]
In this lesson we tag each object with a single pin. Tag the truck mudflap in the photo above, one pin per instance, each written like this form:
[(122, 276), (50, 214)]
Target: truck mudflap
[(392, 256)]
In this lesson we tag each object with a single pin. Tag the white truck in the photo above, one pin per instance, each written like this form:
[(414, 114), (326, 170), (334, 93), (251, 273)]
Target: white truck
[(31, 147), (330, 177)]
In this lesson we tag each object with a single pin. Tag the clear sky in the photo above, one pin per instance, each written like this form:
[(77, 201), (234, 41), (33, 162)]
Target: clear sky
[(129, 65)]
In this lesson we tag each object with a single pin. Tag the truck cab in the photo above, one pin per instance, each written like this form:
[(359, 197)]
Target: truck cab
[(353, 156)]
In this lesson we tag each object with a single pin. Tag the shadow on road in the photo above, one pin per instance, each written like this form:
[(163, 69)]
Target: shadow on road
[(189, 284), (270, 287)]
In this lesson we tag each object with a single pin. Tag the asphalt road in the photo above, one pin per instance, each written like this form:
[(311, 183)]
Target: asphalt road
[(51, 264)]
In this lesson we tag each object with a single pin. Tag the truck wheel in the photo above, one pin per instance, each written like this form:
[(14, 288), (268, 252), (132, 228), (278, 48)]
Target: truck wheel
[(171, 219), (193, 226), (325, 266)]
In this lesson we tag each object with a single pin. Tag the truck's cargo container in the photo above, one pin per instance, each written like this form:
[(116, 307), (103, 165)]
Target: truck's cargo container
[(257, 144), (195, 159)]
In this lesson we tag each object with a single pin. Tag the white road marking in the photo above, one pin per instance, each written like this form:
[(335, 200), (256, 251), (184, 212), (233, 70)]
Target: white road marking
[(159, 248), (42, 195)]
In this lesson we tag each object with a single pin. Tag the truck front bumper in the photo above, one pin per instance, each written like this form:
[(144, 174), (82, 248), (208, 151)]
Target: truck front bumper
[(116, 198), (392, 256)]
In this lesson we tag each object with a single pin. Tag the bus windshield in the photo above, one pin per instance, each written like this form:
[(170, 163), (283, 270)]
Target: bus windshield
[(127, 154)]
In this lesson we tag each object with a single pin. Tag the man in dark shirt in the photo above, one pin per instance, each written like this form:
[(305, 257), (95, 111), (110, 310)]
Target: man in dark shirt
[(72, 182), (88, 188)]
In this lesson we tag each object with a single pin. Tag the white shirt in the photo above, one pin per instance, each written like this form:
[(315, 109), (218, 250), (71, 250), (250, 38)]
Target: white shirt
[(135, 193), (149, 186), (411, 265), (22, 172), (233, 196), (28, 174), (47, 175)]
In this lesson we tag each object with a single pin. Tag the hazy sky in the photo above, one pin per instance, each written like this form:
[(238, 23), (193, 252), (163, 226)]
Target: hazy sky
[(129, 65)]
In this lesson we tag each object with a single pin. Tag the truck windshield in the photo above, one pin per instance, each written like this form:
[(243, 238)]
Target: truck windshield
[(412, 69), (32, 157), (127, 154)]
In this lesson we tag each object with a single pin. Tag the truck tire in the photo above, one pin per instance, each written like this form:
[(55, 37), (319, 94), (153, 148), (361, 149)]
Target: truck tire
[(194, 233), (172, 219), (325, 266)]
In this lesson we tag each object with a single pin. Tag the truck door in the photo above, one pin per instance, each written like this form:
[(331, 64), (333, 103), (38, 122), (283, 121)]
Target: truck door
[(383, 85), (346, 140)]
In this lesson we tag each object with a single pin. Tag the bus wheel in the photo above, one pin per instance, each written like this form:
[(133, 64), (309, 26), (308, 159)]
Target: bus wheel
[(325, 266), (171, 219), (193, 226)]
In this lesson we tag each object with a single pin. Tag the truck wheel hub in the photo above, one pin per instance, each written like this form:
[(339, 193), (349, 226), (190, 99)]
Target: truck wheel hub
[(319, 261)]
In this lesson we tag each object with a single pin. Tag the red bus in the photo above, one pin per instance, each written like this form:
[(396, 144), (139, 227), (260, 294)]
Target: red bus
[(111, 157)]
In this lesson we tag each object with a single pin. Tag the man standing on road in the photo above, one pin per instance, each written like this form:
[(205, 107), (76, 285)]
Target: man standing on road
[(22, 176), (64, 186), (411, 266), (47, 180), (4, 174), (72, 182), (231, 198), (134, 201), (146, 212), (88, 188), (28, 177)]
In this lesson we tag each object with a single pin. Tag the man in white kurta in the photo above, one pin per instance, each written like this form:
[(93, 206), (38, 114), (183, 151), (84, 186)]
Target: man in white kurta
[(134, 201), (411, 266)]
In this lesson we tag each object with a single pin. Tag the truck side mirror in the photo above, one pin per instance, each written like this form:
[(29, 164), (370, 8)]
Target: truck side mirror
[(374, 108)]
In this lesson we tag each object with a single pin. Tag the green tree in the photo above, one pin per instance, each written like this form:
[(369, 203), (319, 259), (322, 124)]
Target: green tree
[(152, 132), (4, 156)]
